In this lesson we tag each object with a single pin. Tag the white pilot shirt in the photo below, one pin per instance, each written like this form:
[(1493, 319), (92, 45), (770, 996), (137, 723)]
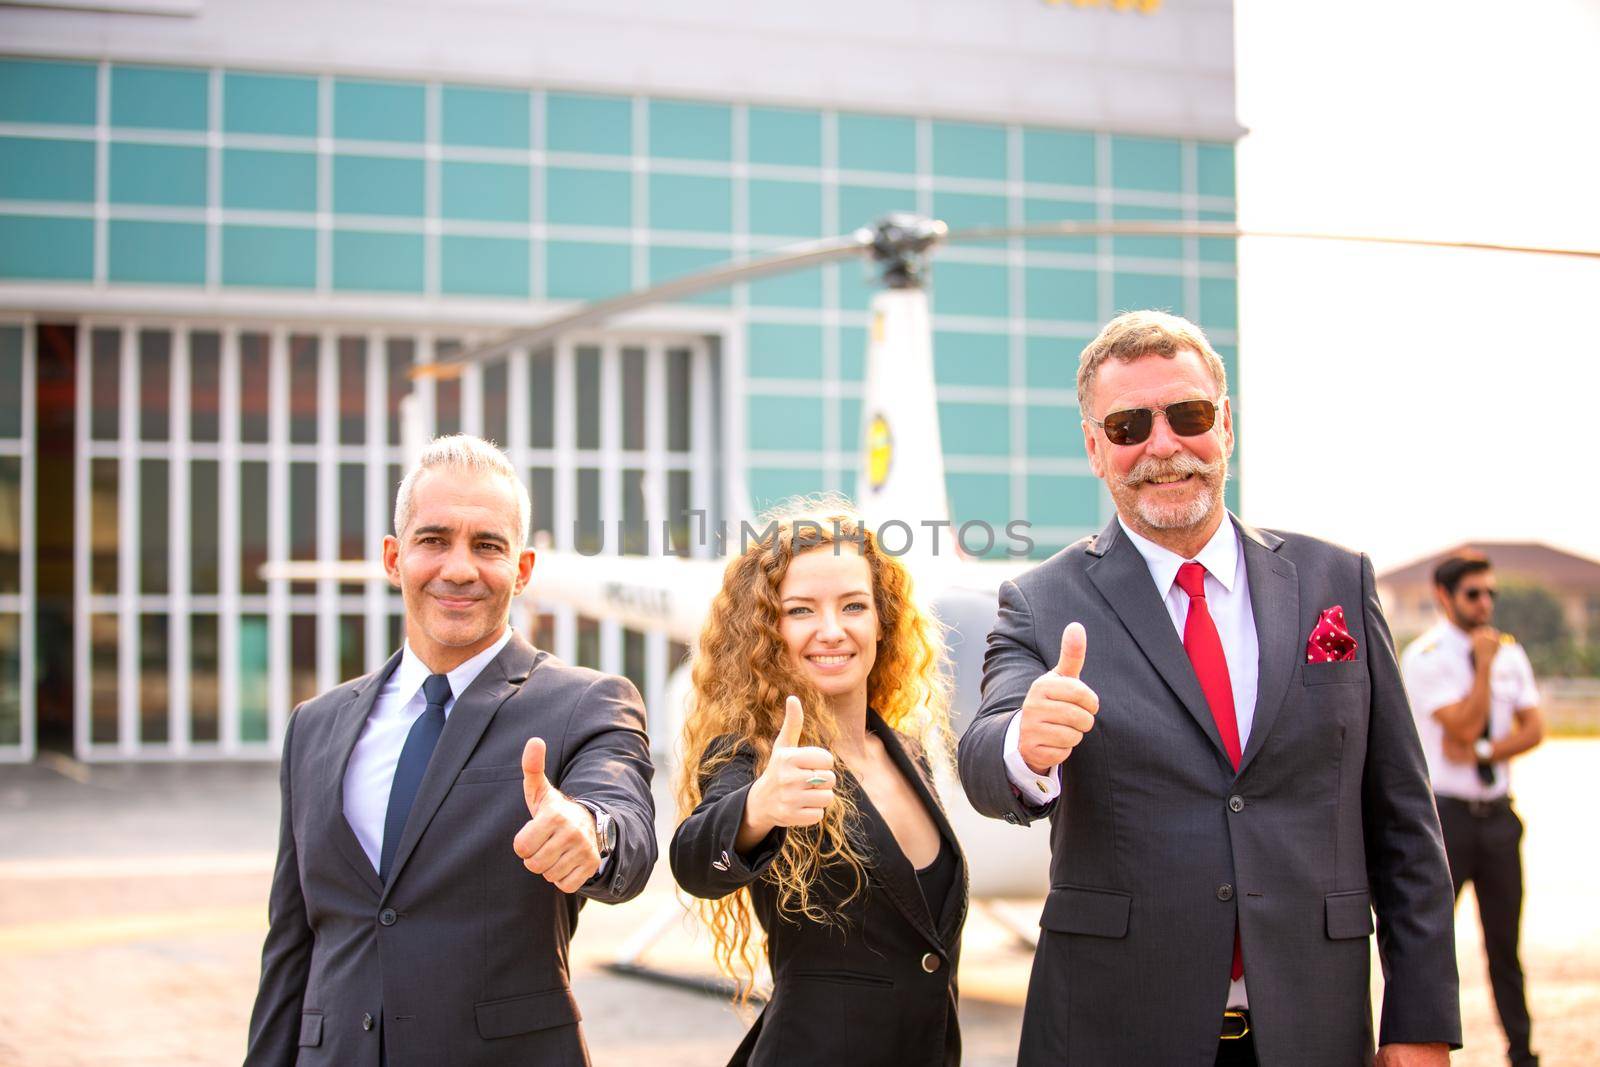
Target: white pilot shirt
[(1437, 668)]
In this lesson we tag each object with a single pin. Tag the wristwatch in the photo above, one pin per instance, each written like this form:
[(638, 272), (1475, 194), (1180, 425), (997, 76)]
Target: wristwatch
[(605, 829), (1483, 748)]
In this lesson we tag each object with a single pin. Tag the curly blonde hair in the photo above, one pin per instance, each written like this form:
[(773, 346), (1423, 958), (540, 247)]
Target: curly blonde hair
[(743, 672)]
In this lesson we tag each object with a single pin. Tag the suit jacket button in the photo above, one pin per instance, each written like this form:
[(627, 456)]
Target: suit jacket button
[(1011, 817), (366, 1021), (616, 887), (1236, 803), (387, 917), (930, 962), (1224, 892)]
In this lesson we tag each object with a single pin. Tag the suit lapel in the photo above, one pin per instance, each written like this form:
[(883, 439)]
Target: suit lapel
[(1275, 603), (352, 720), (1124, 580), (951, 911), (468, 719)]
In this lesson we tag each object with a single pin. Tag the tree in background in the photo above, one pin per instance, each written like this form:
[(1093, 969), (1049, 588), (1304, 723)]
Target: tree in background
[(1532, 614)]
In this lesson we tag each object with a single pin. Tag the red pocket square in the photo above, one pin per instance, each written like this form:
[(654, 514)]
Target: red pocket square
[(1330, 639)]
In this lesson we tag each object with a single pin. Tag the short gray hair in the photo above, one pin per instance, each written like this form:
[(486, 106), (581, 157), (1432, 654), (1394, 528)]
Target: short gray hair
[(474, 455), (1135, 334)]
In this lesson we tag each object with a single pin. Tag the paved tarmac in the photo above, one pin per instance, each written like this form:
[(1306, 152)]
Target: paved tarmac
[(133, 901)]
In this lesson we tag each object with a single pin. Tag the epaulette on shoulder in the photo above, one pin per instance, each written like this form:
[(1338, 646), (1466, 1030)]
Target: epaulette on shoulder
[(1507, 639), (1428, 647)]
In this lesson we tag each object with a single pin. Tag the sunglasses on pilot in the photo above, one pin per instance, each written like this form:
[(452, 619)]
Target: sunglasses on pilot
[(1478, 594), (1131, 426)]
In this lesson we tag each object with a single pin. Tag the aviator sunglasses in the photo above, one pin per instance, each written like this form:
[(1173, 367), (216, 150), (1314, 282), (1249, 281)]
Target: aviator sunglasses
[(1475, 595), (1188, 418)]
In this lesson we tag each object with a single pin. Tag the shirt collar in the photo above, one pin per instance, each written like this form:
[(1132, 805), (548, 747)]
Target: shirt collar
[(412, 672), (1219, 556)]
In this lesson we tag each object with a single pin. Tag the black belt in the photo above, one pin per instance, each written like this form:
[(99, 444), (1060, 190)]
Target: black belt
[(1235, 1023), (1479, 809)]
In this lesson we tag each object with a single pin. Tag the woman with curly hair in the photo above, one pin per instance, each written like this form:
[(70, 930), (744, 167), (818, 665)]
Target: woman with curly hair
[(807, 797)]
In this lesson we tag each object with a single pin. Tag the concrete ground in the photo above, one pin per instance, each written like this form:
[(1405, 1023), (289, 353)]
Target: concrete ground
[(132, 905)]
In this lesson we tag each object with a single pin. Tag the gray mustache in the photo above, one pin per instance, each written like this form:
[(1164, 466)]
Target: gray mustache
[(1181, 465)]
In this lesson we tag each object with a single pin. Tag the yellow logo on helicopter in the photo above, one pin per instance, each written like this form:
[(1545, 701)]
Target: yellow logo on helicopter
[(880, 451)]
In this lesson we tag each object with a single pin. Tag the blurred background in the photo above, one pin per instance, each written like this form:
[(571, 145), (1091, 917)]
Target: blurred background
[(230, 231)]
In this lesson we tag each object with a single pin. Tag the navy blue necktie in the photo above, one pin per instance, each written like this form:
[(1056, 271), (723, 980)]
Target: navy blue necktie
[(413, 763)]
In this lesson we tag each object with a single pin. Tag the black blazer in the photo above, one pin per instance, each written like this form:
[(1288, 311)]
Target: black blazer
[(878, 988), (462, 957)]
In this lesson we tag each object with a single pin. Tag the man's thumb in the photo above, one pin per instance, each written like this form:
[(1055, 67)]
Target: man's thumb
[(1074, 646), (534, 783), (794, 720)]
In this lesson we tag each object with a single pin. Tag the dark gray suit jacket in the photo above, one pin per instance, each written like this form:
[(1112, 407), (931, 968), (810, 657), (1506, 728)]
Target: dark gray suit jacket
[(462, 958), (1158, 847)]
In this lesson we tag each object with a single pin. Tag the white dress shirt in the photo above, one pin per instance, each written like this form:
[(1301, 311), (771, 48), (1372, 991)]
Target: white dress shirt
[(370, 775), (1437, 668), (1228, 598)]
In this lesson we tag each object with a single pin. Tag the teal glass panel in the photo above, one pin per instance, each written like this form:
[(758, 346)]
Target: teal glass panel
[(789, 209), (1147, 163), (36, 168), (576, 270), (489, 118), (270, 104), (483, 266), (849, 424), (780, 350), (1059, 156), (971, 289), (864, 205), (877, 142), (171, 253), (682, 130), (379, 111), (858, 282), (796, 289), (1137, 292), (770, 487), (491, 192), (963, 358), (37, 91), (961, 210), (598, 124), (1219, 303), (1230, 366), (667, 261), (269, 257), (46, 248), (1052, 362), (784, 423), (969, 150), (159, 98), (1055, 431), (576, 197), (1052, 293), (254, 688), (377, 185), (968, 429), (1064, 500), (786, 137), (377, 262), (269, 181), (985, 497), (1214, 170), (852, 354), (1147, 247), (1035, 209), (690, 202), (1218, 249), (169, 175)]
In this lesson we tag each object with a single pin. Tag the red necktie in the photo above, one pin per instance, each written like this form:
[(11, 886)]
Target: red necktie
[(1204, 646)]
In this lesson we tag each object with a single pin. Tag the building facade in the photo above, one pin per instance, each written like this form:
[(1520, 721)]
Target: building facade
[(234, 235)]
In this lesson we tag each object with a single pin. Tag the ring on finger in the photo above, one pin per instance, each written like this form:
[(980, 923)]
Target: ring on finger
[(816, 780)]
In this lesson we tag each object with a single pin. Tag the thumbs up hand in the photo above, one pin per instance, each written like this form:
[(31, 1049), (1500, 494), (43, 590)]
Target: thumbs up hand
[(559, 840), (1059, 708), (795, 789)]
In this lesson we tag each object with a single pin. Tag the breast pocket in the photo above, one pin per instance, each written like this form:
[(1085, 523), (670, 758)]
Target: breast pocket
[(1347, 672), (503, 773)]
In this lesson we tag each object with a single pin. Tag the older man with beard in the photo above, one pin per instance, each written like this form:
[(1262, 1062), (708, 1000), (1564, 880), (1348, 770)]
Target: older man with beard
[(1211, 718)]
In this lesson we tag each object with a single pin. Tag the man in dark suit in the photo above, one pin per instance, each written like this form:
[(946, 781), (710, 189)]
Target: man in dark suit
[(445, 816), (1212, 719)]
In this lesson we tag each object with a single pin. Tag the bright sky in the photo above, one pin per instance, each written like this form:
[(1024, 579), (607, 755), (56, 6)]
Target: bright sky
[(1400, 400)]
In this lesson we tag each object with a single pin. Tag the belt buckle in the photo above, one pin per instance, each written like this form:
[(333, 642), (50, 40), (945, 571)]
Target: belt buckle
[(1235, 1020)]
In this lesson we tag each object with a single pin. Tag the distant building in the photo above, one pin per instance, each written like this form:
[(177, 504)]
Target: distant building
[(1407, 592)]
